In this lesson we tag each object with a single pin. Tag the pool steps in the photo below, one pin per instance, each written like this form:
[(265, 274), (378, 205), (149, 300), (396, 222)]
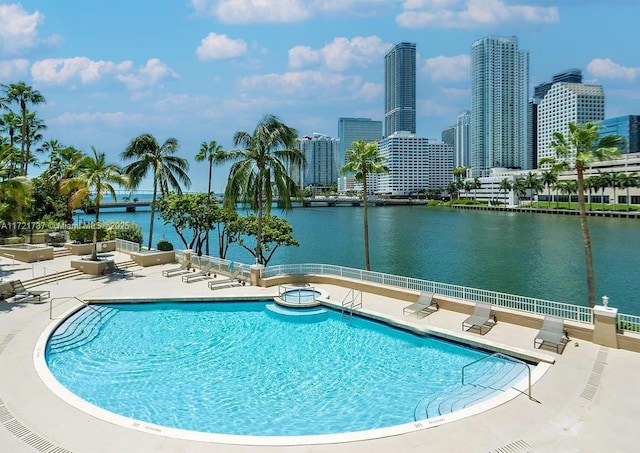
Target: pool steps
[(81, 328), (487, 379)]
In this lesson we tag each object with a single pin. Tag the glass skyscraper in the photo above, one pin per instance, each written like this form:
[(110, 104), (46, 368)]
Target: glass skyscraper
[(350, 130), (628, 127), (499, 102), (400, 89)]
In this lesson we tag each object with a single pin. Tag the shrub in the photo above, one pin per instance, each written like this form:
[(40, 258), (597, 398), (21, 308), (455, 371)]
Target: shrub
[(128, 231), (85, 234), (165, 245)]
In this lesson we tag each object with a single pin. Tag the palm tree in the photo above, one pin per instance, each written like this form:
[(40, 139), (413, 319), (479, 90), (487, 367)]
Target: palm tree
[(260, 168), (10, 123), (364, 159), (476, 185), (549, 178), (209, 151), (579, 149), (628, 180), (505, 185), (520, 189), (591, 183), (616, 182), (97, 177), (23, 95), (604, 181), (168, 170), (65, 163)]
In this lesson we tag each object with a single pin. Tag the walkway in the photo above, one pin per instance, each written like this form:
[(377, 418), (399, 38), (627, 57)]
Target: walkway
[(586, 402)]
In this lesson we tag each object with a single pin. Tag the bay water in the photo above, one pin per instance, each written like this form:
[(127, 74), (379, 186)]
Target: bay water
[(535, 255)]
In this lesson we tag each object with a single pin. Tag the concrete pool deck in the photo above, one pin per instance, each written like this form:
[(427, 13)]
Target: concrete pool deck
[(585, 402)]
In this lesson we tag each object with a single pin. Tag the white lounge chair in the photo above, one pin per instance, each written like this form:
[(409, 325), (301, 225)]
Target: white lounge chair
[(424, 306), (183, 268), (23, 294), (230, 281), (480, 318), (552, 331), (200, 275)]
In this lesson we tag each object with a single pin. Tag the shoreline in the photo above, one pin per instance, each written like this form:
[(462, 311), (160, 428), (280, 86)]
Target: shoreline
[(612, 214)]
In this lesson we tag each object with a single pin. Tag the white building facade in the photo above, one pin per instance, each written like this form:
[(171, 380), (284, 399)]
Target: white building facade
[(322, 154), (565, 103)]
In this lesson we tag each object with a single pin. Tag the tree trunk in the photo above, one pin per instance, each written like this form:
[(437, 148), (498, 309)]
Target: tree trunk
[(94, 253), (209, 199), (367, 265), (591, 286), (153, 209), (259, 259)]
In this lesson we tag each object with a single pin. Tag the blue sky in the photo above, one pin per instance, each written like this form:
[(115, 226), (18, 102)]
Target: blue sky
[(200, 70)]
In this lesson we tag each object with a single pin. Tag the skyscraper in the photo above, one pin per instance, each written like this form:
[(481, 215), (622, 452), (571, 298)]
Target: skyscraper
[(627, 127), (400, 89), (499, 98), (321, 153), (564, 103), (461, 149), (350, 130)]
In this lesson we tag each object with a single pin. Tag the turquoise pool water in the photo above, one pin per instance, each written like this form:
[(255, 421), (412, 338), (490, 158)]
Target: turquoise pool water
[(240, 368)]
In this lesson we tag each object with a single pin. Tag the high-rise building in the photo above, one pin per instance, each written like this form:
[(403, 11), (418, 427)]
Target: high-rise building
[(539, 92), (627, 127), (569, 76), (449, 135), (565, 103), (415, 164), (321, 153), (461, 147), (499, 95), (400, 89), (350, 130)]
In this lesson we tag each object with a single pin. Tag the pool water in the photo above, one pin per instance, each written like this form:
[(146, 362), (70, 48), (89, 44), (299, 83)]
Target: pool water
[(238, 368), (301, 296)]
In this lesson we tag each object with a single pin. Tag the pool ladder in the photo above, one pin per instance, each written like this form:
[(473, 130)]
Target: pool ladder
[(351, 301)]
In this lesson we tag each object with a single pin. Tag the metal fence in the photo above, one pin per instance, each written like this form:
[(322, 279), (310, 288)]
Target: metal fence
[(127, 246), (217, 265), (522, 303), (629, 323)]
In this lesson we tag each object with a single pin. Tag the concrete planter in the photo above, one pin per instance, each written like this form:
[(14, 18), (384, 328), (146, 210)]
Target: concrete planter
[(153, 258), (27, 253)]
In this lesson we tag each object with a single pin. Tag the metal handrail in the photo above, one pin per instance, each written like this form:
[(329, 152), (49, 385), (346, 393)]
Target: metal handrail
[(506, 357), (350, 305), (9, 255), (71, 297), (284, 288), (33, 275)]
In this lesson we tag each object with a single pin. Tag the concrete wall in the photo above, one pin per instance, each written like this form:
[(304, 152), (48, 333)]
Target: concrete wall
[(28, 254), (153, 258)]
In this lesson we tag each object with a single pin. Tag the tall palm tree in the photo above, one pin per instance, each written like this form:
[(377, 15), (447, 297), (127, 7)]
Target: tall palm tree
[(505, 185), (476, 185), (65, 163), (209, 151), (549, 178), (591, 184), (579, 149), (10, 123), (628, 180), (24, 95), (168, 170), (364, 159), (616, 182), (96, 177), (520, 189), (260, 168)]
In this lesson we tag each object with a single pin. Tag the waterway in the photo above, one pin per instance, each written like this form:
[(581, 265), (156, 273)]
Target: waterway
[(536, 255)]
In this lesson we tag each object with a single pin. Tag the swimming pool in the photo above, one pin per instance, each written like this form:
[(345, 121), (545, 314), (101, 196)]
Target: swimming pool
[(242, 369)]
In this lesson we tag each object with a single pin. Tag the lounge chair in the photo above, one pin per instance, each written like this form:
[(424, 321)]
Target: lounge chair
[(480, 318), (21, 293), (230, 281), (424, 306), (183, 268), (552, 331), (200, 275)]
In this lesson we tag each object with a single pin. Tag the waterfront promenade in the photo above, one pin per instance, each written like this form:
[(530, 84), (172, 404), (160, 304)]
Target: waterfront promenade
[(584, 402)]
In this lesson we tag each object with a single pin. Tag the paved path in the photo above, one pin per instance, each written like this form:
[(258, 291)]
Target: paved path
[(586, 402)]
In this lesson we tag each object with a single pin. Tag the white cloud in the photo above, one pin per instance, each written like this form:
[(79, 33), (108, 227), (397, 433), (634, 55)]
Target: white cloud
[(470, 13), (607, 69), (302, 84), (217, 47), (448, 68), (12, 69), (111, 118), (151, 73), (64, 70), (254, 11), (341, 53), (18, 29)]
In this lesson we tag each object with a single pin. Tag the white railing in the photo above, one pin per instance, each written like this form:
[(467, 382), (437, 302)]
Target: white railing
[(127, 246), (529, 304), (44, 270), (629, 323), (220, 265)]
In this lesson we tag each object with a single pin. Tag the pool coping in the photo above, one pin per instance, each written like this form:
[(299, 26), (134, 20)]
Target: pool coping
[(543, 365)]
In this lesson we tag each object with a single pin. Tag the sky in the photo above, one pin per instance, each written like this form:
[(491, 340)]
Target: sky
[(201, 70)]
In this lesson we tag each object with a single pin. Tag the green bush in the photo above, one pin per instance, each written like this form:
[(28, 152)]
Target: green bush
[(165, 245), (128, 231), (85, 234)]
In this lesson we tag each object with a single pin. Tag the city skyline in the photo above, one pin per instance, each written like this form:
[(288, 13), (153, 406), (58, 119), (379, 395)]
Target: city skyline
[(202, 70)]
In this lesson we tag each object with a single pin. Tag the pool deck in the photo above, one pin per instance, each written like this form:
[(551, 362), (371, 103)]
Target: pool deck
[(585, 402)]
